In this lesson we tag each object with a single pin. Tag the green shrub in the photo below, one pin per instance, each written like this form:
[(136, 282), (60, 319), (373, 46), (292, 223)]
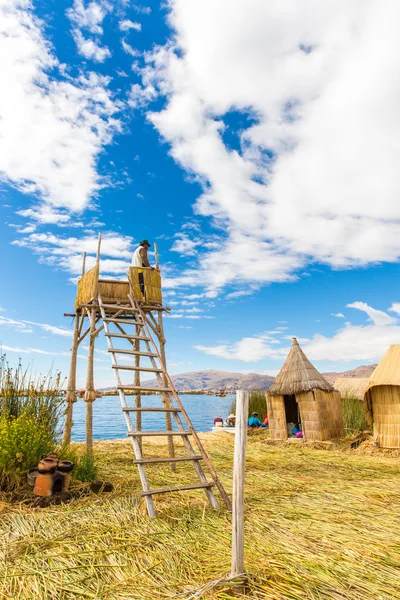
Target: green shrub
[(22, 442), (353, 416), (85, 468), (257, 403)]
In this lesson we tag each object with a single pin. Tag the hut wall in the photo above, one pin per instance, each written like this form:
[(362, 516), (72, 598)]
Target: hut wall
[(114, 291), (321, 415), (152, 285), (87, 286), (309, 414), (386, 412), (276, 417)]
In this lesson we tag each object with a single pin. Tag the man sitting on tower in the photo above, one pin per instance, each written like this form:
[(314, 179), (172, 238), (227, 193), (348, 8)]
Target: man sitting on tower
[(140, 259)]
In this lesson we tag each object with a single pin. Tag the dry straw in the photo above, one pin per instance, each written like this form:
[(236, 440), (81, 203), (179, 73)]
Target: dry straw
[(319, 525), (87, 286), (351, 387)]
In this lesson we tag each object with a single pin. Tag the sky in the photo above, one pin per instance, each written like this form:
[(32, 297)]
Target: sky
[(256, 142)]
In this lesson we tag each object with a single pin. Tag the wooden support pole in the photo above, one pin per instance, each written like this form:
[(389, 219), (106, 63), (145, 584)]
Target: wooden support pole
[(156, 255), (239, 466), (90, 394), (71, 386), (84, 264), (98, 249), (165, 397)]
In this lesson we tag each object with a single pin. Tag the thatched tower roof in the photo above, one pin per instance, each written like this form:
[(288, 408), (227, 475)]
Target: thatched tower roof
[(351, 387), (386, 373), (298, 375)]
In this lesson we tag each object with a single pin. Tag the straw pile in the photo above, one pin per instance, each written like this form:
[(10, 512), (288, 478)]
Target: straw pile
[(319, 525), (351, 387), (87, 286), (152, 285), (298, 375)]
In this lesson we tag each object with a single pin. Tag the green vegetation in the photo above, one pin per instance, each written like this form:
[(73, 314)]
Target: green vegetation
[(353, 416), (257, 403), (85, 468), (319, 524)]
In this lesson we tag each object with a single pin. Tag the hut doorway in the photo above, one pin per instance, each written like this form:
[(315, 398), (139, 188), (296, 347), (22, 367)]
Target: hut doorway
[(292, 411)]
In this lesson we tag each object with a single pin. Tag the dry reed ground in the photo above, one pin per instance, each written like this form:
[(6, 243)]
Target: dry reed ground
[(319, 525)]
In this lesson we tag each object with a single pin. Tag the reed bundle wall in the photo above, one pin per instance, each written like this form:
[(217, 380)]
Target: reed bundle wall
[(152, 285), (320, 414), (385, 401), (87, 286), (351, 387), (114, 291)]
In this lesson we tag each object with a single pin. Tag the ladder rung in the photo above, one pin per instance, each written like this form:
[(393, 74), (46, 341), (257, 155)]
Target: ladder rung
[(151, 433), (125, 321), (127, 336), (121, 307), (140, 388), (143, 461), (180, 488), (135, 352), (129, 368), (142, 409)]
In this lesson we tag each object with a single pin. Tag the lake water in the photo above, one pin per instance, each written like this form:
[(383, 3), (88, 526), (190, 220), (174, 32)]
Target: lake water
[(109, 422)]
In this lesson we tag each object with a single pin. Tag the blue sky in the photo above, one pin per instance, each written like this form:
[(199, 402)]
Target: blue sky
[(256, 145)]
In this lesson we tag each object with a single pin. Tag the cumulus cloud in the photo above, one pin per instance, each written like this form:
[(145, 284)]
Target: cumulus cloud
[(367, 342), (24, 326), (339, 315), (302, 181), (52, 129), (89, 17), (90, 49), (395, 307), (126, 25)]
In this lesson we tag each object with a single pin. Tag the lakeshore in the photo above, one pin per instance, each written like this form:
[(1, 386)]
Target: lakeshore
[(322, 521)]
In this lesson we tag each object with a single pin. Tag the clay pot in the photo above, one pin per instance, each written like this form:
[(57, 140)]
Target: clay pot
[(101, 486), (43, 484), (47, 465), (31, 475), (65, 466)]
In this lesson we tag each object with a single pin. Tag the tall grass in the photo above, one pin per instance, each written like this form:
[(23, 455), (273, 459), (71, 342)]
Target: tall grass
[(257, 403), (353, 416)]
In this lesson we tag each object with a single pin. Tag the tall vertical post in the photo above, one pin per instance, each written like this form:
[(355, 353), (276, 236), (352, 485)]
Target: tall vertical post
[(167, 403), (138, 398), (98, 248), (84, 264), (70, 396), (156, 255), (90, 394), (239, 465)]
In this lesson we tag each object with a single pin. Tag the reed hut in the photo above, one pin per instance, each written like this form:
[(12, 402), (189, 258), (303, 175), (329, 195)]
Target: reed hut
[(382, 399), (301, 395), (351, 387)]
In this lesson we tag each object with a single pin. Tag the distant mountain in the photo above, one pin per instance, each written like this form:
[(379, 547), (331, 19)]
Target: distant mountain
[(225, 380), (217, 380), (362, 371)]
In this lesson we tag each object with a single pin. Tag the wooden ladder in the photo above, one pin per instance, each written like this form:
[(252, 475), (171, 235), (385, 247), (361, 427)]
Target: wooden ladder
[(132, 315)]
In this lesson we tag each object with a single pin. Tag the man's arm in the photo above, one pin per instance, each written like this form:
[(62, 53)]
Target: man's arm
[(143, 257)]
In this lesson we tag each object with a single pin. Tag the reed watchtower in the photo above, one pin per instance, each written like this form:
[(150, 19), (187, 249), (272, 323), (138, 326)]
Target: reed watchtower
[(132, 323)]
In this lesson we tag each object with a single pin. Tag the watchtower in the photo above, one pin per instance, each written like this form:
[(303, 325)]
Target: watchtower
[(129, 313)]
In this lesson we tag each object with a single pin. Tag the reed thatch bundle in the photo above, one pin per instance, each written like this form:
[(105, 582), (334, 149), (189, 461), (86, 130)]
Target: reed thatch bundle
[(152, 285), (351, 387), (87, 286), (382, 399), (113, 291), (298, 375)]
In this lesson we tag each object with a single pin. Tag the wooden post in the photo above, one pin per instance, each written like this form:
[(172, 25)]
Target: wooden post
[(239, 465), (70, 396), (156, 255), (90, 394), (84, 264), (98, 249), (167, 403)]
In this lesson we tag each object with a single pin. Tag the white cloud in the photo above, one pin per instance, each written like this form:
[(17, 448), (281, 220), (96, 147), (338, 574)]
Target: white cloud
[(395, 307), (90, 17), (32, 351), (303, 182), (378, 317), (126, 25), (339, 315), (90, 49), (24, 326), (52, 129), (248, 349)]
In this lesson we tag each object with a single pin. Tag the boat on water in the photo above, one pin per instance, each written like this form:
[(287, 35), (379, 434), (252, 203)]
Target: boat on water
[(224, 428)]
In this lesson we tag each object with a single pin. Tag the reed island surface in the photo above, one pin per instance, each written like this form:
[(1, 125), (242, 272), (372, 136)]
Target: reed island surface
[(322, 521)]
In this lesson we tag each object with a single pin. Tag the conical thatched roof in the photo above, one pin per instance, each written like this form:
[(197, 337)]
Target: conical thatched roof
[(298, 375)]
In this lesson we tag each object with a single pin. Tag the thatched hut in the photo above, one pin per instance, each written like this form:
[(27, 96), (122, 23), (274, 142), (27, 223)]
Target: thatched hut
[(302, 396), (382, 399), (351, 387)]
